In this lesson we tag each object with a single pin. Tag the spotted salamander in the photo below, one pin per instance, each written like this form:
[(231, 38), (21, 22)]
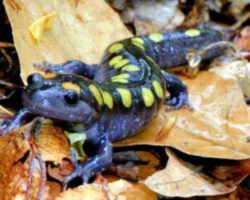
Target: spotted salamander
[(116, 99)]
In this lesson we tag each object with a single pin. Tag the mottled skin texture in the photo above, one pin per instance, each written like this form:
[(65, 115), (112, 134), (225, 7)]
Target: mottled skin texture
[(104, 124)]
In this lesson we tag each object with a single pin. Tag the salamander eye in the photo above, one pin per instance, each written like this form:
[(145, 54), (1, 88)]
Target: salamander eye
[(34, 78), (71, 97)]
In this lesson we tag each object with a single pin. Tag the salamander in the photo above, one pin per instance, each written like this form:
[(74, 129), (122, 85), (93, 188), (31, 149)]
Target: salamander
[(117, 98)]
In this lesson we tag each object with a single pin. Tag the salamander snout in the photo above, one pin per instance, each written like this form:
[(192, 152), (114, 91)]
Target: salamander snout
[(34, 78)]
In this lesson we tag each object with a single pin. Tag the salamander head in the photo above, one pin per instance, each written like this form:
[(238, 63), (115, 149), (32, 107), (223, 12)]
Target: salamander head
[(58, 97)]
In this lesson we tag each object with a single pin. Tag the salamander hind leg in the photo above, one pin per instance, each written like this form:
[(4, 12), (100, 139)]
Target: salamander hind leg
[(93, 165), (178, 92)]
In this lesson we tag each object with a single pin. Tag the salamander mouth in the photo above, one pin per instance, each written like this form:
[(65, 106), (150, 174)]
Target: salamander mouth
[(44, 109)]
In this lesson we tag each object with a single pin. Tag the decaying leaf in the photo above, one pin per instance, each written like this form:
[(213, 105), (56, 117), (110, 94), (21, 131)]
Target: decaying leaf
[(244, 41), (235, 70), (53, 143), (198, 14), (20, 167), (57, 31), (149, 16), (138, 168), (238, 194), (217, 127), (122, 189), (80, 31), (59, 172), (183, 179), (245, 82), (5, 113), (237, 6), (86, 192), (117, 190), (54, 189)]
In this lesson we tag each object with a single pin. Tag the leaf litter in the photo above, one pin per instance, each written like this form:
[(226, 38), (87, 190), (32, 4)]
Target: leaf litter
[(217, 128)]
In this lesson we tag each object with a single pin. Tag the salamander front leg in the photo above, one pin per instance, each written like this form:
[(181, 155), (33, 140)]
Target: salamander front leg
[(70, 67), (93, 165), (21, 118), (178, 92)]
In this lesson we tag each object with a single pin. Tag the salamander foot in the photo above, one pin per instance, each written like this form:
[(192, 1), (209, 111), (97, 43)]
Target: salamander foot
[(93, 165)]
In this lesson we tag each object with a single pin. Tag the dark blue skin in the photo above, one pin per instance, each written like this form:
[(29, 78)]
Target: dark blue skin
[(102, 125)]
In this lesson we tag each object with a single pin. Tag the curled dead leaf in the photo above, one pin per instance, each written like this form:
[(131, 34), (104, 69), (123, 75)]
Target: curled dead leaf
[(183, 179), (218, 127), (21, 169), (93, 26)]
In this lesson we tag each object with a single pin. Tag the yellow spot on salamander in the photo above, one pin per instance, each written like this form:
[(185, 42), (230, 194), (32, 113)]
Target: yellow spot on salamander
[(125, 96), (192, 32), (148, 97), (131, 68), (71, 86), (156, 37), (108, 99), (121, 78), (158, 89), (115, 47), (121, 63), (137, 39), (150, 59), (115, 60), (96, 94), (49, 75), (138, 44), (41, 25)]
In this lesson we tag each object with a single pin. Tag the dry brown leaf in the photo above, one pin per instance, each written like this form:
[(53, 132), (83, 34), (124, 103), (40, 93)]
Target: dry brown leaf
[(79, 30), (58, 172), (149, 17), (238, 194), (233, 70), (137, 171), (117, 190), (13, 148), (86, 192), (183, 179), (16, 167), (237, 7), (218, 127), (244, 41), (54, 189), (20, 173), (150, 168), (198, 14), (5, 112), (93, 21), (139, 192), (53, 144), (237, 70), (233, 172), (124, 190)]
